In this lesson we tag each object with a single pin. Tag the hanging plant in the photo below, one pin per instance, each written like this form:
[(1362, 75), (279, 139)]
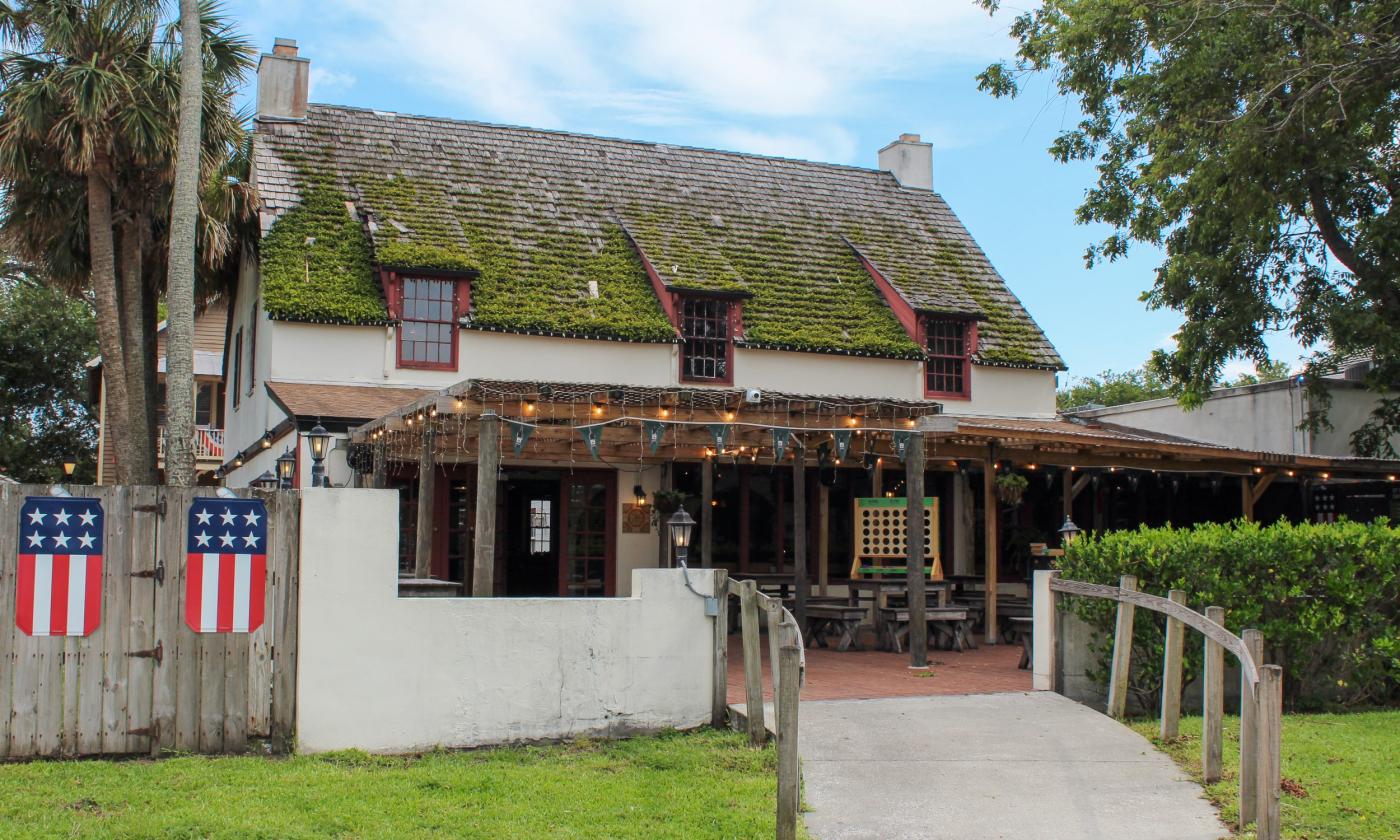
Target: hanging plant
[(1011, 487), (667, 502)]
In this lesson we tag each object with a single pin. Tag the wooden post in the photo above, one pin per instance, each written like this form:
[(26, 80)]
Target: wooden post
[(823, 537), (1067, 491), (964, 526), (753, 663), (775, 642), (744, 516), (785, 704), (914, 547), (877, 478), (707, 513), (799, 536), (1249, 732), (1122, 653), (488, 463), (719, 698), (1171, 670), (993, 539), (1246, 499), (1270, 730), (427, 494), (663, 541), (1213, 711)]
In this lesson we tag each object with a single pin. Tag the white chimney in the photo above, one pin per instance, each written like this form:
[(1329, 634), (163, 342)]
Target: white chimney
[(283, 81), (910, 160)]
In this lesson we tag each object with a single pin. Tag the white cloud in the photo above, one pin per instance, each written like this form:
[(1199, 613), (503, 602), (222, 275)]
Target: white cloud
[(325, 82), (825, 143)]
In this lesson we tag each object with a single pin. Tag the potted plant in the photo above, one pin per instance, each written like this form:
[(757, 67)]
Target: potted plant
[(1010, 487), (667, 502)]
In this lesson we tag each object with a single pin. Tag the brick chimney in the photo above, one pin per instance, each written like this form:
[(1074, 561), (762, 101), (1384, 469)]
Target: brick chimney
[(910, 160), (283, 80)]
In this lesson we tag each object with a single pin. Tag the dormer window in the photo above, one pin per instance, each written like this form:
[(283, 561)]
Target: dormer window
[(707, 345), (948, 344), (428, 309)]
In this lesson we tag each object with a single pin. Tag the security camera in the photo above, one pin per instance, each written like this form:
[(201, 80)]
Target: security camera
[(753, 395)]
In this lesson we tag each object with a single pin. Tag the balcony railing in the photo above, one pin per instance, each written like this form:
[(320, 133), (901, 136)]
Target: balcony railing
[(208, 444)]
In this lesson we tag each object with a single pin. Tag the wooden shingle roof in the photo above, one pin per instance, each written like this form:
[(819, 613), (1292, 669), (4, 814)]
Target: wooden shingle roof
[(539, 214)]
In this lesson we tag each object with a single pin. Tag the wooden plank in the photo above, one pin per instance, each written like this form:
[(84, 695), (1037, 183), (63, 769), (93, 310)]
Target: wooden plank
[(92, 649), (1246, 499), (823, 538), (707, 513), (10, 501), (427, 481), (1249, 733), (877, 478), (166, 620), (745, 517), (993, 539), (1213, 685), (802, 583), (786, 706), (1122, 653), (184, 642), (238, 647), (774, 612), (213, 658), (488, 464), (1270, 773), (1067, 492), (140, 628), (72, 662), (753, 673), (914, 548), (259, 664), (26, 650), (719, 698), (48, 695), (116, 613), (284, 636), (1171, 670)]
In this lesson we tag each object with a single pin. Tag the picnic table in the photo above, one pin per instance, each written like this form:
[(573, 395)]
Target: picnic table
[(780, 582), (1023, 632)]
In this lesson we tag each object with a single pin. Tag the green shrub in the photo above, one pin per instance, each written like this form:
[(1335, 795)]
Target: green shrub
[(1327, 598)]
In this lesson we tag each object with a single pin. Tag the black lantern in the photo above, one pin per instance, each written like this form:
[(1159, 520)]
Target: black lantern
[(286, 465), (681, 525), (266, 481), (318, 440), (68, 468), (1068, 531)]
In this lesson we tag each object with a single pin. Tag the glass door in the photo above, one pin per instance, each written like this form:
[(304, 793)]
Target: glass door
[(587, 566)]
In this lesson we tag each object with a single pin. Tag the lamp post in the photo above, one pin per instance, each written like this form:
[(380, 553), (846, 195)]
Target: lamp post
[(1068, 531), (266, 481), (318, 441), (68, 468), (286, 465), (681, 525)]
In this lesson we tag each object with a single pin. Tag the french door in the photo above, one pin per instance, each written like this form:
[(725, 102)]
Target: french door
[(587, 562)]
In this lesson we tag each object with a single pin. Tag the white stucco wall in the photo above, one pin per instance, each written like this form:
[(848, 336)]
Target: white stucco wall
[(386, 674)]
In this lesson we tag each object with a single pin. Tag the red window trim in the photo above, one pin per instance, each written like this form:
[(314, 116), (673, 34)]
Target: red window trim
[(733, 319), (969, 347), (393, 295)]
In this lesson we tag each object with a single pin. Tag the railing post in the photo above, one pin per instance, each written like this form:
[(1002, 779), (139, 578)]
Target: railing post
[(719, 698), (1044, 608), (1249, 731), (753, 664), (785, 703), (775, 642), (1213, 711), (1270, 730), (1122, 652), (1171, 670)]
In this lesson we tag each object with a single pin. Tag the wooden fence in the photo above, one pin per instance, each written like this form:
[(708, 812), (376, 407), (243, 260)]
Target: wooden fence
[(143, 682), (1261, 689), (787, 671)]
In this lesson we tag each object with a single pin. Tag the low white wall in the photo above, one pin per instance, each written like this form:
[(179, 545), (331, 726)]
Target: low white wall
[(385, 674)]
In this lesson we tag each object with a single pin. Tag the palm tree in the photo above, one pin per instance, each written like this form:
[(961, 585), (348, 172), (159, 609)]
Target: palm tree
[(89, 93)]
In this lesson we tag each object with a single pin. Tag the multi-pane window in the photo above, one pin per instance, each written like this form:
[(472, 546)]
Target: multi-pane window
[(946, 365), (541, 526), (429, 319), (705, 348)]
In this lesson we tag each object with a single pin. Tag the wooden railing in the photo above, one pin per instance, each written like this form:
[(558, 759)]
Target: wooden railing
[(1261, 688), (787, 666), (208, 443)]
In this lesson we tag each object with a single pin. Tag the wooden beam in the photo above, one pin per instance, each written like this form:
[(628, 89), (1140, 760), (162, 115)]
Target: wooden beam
[(1246, 499), (663, 541), (1213, 713), (914, 547), (799, 537), (1122, 652), (877, 478), (1171, 670), (707, 513), (488, 464), (427, 480), (1067, 492), (964, 526), (1249, 732), (823, 536), (744, 537), (719, 693), (990, 573), (1269, 776)]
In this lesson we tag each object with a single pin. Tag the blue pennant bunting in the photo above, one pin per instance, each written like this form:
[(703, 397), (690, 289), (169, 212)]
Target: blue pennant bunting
[(843, 441), (901, 443), (653, 430), (720, 432), (592, 436), (780, 442), (519, 435)]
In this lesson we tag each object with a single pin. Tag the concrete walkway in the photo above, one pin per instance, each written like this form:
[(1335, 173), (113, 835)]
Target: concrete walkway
[(976, 767)]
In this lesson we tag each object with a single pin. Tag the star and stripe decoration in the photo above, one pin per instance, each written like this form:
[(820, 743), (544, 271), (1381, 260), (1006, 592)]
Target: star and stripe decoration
[(59, 578), (225, 565)]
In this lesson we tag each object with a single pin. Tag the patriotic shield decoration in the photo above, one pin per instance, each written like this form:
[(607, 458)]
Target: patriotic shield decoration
[(59, 580), (225, 565)]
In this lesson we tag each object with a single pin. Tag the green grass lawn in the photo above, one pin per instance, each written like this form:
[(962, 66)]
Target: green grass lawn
[(701, 784), (1346, 768)]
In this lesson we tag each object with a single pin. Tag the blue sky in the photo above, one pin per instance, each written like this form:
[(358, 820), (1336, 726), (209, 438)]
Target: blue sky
[(826, 80)]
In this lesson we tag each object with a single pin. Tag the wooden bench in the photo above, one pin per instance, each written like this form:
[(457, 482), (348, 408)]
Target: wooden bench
[(844, 621), (1023, 632), (948, 623)]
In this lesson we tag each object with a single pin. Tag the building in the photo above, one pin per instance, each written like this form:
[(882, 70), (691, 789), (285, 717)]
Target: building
[(210, 323)]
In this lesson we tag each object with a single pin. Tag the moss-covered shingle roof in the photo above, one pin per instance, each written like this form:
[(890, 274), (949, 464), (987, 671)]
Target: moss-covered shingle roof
[(539, 214)]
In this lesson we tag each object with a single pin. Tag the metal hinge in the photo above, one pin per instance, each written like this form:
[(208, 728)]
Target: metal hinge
[(158, 573), (157, 653), (158, 507), (152, 731)]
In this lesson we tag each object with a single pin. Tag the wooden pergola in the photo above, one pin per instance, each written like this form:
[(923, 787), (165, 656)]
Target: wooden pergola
[(703, 425)]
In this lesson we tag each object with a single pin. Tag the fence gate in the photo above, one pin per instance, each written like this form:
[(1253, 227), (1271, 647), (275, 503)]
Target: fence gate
[(143, 681)]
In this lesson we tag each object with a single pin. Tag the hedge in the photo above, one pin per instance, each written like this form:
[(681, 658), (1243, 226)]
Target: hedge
[(1326, 596)]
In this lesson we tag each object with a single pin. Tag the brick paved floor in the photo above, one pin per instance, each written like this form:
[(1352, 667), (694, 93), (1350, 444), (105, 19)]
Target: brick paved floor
[(857, 675)]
